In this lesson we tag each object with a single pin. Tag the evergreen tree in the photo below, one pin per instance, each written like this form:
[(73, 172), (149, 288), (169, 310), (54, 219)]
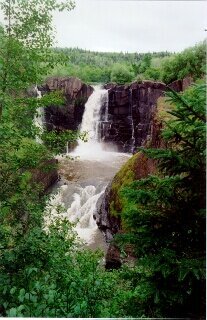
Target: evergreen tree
[(166, 217)]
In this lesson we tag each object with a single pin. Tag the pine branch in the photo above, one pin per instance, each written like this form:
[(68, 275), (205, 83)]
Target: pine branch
[(177, 98)]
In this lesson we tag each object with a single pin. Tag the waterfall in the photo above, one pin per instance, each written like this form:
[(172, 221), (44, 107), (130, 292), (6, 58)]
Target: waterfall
[(91, 123), (39, 117), (92, 114), (80, 212), (132, 124), (87, 174)]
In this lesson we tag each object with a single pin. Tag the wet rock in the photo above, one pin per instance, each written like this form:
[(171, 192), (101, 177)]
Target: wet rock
[(69, 115), (106, 222), (131, 110)]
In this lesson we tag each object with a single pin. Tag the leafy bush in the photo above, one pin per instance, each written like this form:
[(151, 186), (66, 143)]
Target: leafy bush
[(190, 62), (152, 74), (120, 74)]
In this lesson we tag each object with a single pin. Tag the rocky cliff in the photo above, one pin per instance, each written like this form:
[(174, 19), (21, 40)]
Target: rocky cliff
[(69, 115), (130, 113), (151, 109), (131, 109)]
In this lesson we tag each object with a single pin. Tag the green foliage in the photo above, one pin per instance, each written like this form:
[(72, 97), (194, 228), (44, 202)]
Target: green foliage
[(55, 277), (57, 141), (190, 62), (166, 217), (152, 74), (26, 41), (168, 68), (96, 67), (44, 270), (120, 74)]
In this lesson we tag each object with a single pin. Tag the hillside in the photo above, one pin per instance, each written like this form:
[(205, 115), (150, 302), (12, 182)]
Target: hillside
[(104, 67)]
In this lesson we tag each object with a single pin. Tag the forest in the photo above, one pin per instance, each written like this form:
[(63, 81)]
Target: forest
[(45, 271), (123, 68)]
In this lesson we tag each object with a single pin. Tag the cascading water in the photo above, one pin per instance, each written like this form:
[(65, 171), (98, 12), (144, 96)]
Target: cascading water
[(87, 175), (39, 117), (93, 148), (132, 123), (80, 211)]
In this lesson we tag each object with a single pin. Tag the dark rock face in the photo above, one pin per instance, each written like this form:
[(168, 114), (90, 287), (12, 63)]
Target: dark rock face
[(144, 106), (181, 85), (69, 115), (131, 109), (130, 113), (106, 222)]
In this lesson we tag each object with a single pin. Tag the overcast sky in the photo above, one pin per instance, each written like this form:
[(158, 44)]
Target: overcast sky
[(123, 25), (133, 26)]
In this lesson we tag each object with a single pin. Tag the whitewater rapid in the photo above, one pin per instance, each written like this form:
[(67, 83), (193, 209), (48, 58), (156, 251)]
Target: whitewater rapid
[(85, 176)]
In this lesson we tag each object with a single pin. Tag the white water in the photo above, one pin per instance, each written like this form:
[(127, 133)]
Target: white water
[(39, 118), (133, 132), (87, 176), (93, 149), (80, 212)]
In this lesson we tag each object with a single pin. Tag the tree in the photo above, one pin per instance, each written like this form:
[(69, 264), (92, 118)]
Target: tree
[(190, 62), (27, 41), (165, 217), (121, 74), (43, 271), (152, 74)]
